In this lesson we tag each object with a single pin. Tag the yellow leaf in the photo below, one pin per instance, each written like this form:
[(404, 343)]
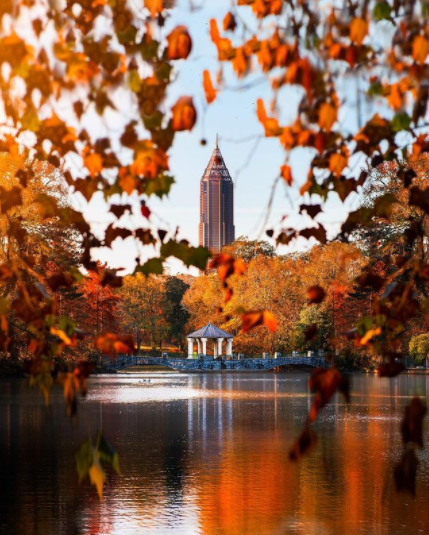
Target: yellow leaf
[(327, 116), (337, 162), (93, 163), (358, 30), (420, 49), (61, 335), (369, 335), (97, 477)]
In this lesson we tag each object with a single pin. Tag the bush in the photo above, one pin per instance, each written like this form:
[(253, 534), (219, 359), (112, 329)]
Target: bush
[(419, 348)]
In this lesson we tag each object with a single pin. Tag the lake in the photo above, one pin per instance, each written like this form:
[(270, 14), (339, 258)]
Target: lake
[(208, 454)]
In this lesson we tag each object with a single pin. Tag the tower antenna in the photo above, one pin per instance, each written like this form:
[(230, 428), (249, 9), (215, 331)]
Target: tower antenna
[(216, 142)]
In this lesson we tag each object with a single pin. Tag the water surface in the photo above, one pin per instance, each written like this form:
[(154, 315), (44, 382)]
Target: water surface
[(208, 454)]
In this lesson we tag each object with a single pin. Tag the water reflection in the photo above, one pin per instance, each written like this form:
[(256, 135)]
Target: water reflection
[(207, 454)]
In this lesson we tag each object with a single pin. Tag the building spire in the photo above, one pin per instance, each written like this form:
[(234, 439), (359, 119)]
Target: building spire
[(217, 144)]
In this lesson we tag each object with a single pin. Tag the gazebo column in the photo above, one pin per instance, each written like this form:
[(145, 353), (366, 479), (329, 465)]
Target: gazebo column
[(190, 348), (219, 346), (204, 342), (199, 346), (214, 349), (229, 346)]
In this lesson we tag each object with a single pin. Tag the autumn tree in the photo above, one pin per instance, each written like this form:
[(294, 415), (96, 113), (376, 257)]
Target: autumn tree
[(141, 309)]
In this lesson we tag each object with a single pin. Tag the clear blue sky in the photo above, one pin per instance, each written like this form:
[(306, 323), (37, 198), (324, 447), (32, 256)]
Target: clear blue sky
[(233, 117)]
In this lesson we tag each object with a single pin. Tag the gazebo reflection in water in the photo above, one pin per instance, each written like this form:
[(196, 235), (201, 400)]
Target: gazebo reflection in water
[(206, 333)]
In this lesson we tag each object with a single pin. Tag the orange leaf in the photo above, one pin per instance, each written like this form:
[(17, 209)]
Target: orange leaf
[(358, 30), (286, 173), (327, 116), (154, 6), (270, 124), (253, 319), (209, 90), (110, 343), (126, 181), (229, 22), (150, 160), (214, 31), (228, 265), (184, 114), (93, 163), (179, 43), (337, 162), (420, 49)]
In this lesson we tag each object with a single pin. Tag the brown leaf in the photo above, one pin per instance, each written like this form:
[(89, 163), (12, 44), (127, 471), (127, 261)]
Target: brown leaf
[(118, 210), (311, 209), (315, 294), (324, 383), (311, 332), (115, 232)]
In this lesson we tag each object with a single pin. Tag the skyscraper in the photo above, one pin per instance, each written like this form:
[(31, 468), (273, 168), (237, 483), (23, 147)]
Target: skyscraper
[(216, 204)]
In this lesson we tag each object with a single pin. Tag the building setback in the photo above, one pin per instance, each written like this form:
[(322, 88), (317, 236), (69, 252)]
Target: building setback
[(216, 204)]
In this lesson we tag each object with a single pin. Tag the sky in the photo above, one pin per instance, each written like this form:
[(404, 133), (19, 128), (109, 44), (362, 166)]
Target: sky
[(252, 160)]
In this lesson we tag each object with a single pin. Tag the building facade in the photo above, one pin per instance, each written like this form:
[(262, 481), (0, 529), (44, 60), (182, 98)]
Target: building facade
[(216, 204)]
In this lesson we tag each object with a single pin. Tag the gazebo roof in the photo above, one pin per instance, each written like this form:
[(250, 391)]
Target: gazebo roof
[(209, 331)]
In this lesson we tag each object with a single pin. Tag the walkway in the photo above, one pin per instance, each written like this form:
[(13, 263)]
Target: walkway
[(203, 365)]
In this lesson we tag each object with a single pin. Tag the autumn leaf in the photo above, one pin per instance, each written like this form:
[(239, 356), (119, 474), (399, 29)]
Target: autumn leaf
[(420, 49), (315, 294), (93, 163), (227, 265), (179, 43), (155, 7), (229, 22), (286, 174), (369, 335), (250, 320), (209, 90), (337, 163), (358, 30), (113, 344), (184, 114), (327, 116)]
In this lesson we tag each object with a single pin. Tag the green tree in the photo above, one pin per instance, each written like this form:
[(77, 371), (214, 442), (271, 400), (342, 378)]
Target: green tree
[(419, 348), (175, 313)]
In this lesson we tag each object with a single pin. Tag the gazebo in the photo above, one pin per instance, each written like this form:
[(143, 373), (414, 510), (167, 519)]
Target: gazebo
[(209, 332)]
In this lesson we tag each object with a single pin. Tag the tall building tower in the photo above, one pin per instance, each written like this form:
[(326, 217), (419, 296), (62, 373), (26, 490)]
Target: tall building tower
[(216, 204)]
